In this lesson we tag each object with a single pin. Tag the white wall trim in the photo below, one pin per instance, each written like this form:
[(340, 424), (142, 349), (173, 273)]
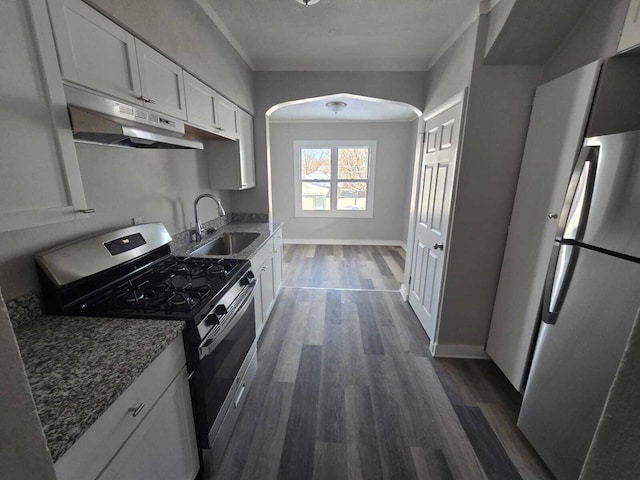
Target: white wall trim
[(453, 38), (404, 292), (444, 350), (340, 241), (487, 5), (404, 246), (217, 21)]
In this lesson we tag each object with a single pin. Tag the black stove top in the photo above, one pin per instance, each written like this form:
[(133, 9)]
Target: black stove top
[(173, 288)]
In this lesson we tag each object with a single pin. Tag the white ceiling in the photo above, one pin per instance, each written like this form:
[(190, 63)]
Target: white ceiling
[(342, 34), (359, 109)]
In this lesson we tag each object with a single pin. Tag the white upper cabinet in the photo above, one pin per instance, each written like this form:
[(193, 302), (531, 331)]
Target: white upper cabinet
[(232, 162), (39, 175), (199, 100), (93, 51), (161, 82), (226, 116), (630, 37), (97, 53), (247, 155)]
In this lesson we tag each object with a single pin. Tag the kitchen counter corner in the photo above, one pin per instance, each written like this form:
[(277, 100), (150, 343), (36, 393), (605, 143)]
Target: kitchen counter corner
[(78, 366)]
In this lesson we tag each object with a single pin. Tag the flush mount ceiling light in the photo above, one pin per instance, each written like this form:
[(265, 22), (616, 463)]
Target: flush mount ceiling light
[(336, 107), (306, 3)]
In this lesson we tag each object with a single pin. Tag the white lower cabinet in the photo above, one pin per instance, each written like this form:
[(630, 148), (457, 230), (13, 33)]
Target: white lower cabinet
[(267, 267), (147, 433), (164, 445)]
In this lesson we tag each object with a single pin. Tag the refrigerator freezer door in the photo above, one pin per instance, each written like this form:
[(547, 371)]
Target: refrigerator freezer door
[(613, 221), (576, 358)]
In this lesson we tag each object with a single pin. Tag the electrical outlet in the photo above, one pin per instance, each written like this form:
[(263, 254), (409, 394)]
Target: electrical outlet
[(136, 220)]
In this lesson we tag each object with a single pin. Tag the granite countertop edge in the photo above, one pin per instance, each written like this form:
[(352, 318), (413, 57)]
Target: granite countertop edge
[(78, 366), (234, 227)]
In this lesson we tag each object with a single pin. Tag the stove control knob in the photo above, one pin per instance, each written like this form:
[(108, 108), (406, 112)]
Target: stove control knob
[(220, 310), (211, 320), (247, 279)]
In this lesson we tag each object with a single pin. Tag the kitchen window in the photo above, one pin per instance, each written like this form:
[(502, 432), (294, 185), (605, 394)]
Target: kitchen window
[(334, 178)]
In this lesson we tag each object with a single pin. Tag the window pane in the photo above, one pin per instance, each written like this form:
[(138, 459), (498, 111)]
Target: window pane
[(315, 163), (316, 195), (352, 195), (353, 163)]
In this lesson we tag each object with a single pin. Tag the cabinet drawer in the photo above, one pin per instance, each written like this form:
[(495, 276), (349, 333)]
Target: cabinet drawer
[(261, 256), (96, 447)]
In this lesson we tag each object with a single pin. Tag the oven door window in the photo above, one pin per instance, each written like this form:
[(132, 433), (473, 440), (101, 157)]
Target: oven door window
[(220, 368)]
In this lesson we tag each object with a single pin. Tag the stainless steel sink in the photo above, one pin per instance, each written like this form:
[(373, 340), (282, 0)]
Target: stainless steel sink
[(227, 244)]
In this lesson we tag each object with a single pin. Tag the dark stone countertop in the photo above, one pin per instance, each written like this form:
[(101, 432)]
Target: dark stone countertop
[(78, 366), (234, 227)]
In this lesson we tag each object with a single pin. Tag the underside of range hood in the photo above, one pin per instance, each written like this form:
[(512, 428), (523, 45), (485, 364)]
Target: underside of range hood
[(100, 120)]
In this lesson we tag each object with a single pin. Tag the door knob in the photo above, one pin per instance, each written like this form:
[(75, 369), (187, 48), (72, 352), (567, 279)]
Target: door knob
[(438, 246), (552, 216)]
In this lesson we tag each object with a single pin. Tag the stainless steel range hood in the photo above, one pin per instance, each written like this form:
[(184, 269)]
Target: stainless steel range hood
[(100, 120)]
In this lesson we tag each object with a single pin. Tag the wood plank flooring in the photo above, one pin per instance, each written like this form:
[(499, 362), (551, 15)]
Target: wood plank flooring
[(346, 387)]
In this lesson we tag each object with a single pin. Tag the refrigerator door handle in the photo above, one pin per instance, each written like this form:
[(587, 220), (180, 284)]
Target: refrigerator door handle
[(558, 279), (578, 199)]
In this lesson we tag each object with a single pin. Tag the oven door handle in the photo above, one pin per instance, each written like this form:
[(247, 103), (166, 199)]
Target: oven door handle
[(212, 340)]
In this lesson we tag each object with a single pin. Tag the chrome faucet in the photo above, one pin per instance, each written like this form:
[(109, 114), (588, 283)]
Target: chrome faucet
[(199, 227)]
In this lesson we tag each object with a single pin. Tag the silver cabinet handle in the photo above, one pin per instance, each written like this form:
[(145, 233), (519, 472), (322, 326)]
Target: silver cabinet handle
[(136, 410), (219, 128), (146, 99), (87, 210), (438, 246), (552, 216)]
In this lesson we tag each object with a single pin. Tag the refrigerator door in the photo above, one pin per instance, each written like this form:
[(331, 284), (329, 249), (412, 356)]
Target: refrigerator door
[(603, 207), (576, 358)]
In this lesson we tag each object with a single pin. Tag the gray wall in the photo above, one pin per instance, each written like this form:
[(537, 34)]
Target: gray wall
[(498, 109), (595, 36), (183, 32), (393, 162), (272, 88), (23, 448), (452, 72), (120, 183)]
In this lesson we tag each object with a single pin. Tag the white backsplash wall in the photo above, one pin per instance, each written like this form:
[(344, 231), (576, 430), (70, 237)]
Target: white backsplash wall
[(120, 183), (394, 158)]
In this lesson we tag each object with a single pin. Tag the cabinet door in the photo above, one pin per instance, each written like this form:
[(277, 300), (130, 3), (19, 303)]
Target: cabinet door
[(226, 115), (164, 445), (630, 37), (161, 82), (556, 129), (94, 51), (277, 262), (266, 287), (257, 300), (199, 99), (39, 175), (247, 157)]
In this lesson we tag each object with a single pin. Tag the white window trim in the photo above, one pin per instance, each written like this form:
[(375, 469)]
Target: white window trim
[(333, 213)]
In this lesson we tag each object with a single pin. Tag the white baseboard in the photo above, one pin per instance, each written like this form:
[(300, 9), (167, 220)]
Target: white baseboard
[(404, 293), (338, 241), (458, 351)]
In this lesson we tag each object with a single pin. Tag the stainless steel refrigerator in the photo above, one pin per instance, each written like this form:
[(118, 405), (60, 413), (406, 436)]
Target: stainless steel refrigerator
[(591, 298)]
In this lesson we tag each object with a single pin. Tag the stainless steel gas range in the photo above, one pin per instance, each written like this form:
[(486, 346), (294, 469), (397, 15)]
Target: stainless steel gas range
[(131, 273)]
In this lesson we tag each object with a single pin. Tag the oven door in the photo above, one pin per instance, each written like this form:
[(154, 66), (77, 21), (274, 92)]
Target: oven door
[(222, 358)]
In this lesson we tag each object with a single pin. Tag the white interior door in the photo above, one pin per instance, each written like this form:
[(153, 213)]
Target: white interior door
[(558, 119), (437, 181)]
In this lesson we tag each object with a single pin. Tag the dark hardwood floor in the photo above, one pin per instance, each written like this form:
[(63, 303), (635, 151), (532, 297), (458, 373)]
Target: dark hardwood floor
[(346, 387)]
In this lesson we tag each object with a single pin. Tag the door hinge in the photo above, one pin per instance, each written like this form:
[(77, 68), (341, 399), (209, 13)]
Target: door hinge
[(409, 279)]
